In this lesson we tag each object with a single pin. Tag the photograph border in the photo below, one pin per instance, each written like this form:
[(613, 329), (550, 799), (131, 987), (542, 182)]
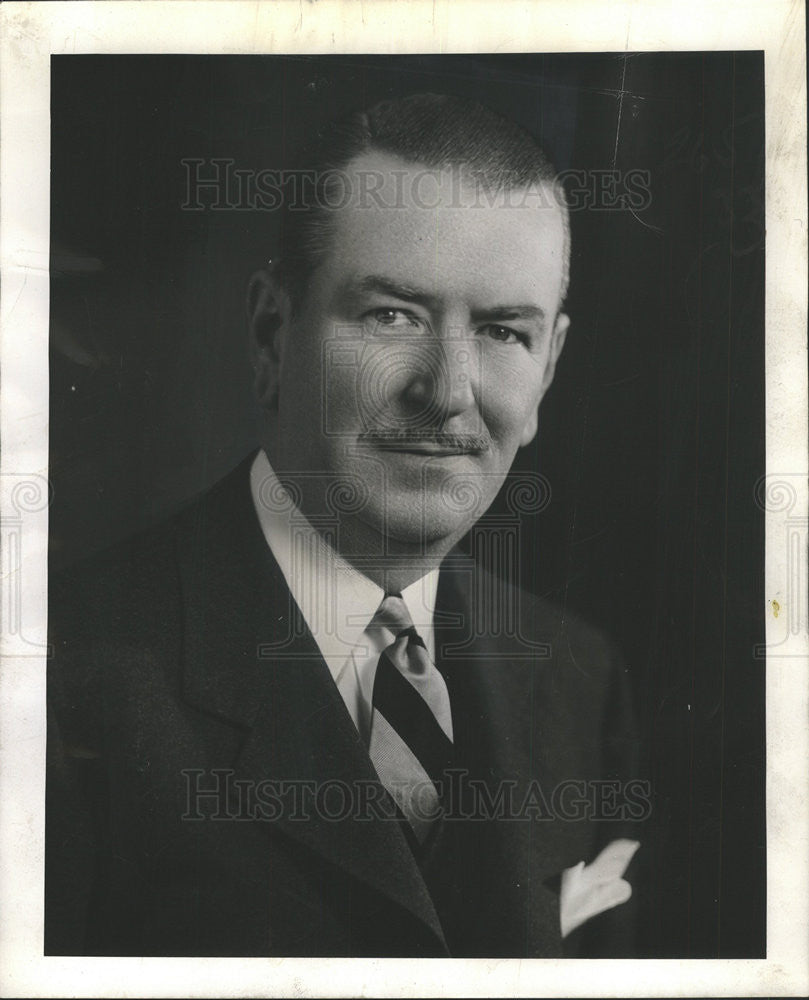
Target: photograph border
[(31, 32)]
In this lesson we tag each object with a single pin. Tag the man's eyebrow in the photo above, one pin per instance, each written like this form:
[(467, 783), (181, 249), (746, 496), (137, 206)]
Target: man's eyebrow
[(509, 312), (387, 286), (381, 285)]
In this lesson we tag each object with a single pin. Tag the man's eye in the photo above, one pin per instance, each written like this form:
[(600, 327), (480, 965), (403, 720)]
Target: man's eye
[(389, 318), (503, 334)]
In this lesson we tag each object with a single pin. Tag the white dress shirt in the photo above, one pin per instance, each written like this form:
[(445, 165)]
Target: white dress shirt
[(337, 601)]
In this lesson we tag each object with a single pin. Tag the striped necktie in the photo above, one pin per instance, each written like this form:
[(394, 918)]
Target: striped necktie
[(411, 723)]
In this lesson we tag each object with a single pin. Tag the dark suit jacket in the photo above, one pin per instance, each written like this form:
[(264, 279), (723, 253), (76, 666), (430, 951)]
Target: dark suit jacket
[(180, 666)]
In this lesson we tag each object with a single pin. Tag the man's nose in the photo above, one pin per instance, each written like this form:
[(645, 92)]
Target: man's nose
[(441, 383)]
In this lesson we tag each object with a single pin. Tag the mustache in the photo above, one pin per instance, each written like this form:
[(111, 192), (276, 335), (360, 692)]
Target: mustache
[(387, 437)]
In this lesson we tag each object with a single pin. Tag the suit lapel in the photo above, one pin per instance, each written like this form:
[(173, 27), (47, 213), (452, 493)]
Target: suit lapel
[(250, 661), (501, 696)]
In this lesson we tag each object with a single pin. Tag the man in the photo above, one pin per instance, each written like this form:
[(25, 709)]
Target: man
[(295, 720)]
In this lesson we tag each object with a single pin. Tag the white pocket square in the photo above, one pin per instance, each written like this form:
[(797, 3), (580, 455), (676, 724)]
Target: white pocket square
[(588, 890)]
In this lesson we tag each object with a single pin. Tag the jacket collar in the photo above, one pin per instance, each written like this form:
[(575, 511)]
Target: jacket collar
[(250, 661)]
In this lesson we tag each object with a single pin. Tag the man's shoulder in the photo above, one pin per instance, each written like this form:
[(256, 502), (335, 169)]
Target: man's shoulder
[(568, 629), (527, 620), (582, 653), (134, 584)]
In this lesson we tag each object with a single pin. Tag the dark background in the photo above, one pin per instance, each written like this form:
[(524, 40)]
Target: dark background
[(652, 436)]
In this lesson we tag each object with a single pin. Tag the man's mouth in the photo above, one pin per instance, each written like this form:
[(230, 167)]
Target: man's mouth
[(426, 442)]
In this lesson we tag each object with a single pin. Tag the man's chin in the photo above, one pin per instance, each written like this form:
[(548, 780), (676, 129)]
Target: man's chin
[(443, 489), (412, 503), (423, 523)]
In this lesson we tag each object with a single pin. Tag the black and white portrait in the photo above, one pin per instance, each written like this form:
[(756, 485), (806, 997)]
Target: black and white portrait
[(407, 494), (397, 408)]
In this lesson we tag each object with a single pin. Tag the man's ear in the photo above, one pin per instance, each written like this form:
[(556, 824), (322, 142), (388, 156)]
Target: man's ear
[(267, 317), (560, 328)]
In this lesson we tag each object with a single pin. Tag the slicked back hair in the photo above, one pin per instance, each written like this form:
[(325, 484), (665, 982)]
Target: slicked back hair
[(433, 130)]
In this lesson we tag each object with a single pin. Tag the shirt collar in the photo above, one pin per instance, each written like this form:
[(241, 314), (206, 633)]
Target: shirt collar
[(336, 600)]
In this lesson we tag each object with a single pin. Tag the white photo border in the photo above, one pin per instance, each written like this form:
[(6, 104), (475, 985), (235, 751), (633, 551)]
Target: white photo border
[(31, 32)]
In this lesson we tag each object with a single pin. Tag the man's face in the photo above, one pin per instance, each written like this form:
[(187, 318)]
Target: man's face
[(415, 367)]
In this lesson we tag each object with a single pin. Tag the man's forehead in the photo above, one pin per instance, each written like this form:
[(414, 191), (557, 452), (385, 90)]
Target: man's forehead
[(411, 223), (377, 179)]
